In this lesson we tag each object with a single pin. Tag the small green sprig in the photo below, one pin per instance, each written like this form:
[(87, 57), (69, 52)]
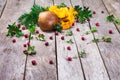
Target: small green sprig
[(69, 33), (41, 37), (104, 39), (31, 18), (58, 27), (30, 50), (32, 29), (92, 30), (95, 40), (70, 41), (83, 13), (82, 54), (111, 18), (14, 30), (62, 5)]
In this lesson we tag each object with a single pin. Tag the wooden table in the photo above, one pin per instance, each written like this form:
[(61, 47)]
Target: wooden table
[(102, 60)]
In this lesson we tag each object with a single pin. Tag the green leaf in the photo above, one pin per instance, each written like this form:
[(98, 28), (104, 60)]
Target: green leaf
[(83, 13), (110, 18), (41, 37), (30, 50), (58, 27), (69, 33), (62, 5), (31, 17), (32, 29), (95, 40), (117, 21), (30, 37), (82, 54), (93, 29), (70, 41), (106, 39), (87, 32), (14, 30)]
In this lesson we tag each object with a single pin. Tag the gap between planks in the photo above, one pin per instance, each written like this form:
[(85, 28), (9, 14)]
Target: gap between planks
[(113, 7), (67, 70), (13, 68), (106, 49), (43, 70), (98, 54), (2, 6)]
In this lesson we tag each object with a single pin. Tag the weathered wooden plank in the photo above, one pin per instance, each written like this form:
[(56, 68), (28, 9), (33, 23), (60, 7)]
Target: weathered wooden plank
[(12, 59), (43, 70), (67, 70), (92, 62), (77, 2), (113, 7), (109, 51), (13, 11), (2, 5)]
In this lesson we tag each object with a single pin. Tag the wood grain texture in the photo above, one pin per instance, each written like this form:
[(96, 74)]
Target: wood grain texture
[(12, 11), (113, 7), (92, 62), (67, 70), (109, 51), (12, 59), (77, 2), (2, 5), (43, 70)]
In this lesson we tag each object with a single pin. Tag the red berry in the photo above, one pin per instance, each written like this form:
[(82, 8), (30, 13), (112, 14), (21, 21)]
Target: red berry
[(83, 38), (24, 51), (18, 24), (102, 11), (23, 28), (77, 29), (69, 58), (37, 32), (88, 20), (77, 20), (110, 31), (56, 32), (73, 24), (28, 43), (51, 38), (26, 35), (34, 62), (24, 45), (13, 40), (62, 38), (97, 24), (46, 43), (68, 48), (50, 62), (94, 12)]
